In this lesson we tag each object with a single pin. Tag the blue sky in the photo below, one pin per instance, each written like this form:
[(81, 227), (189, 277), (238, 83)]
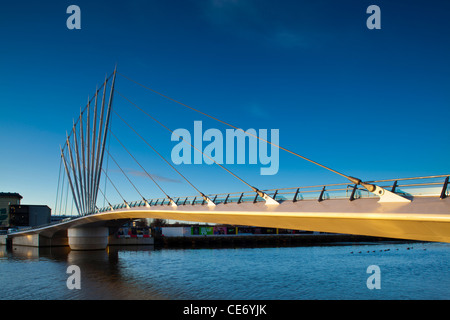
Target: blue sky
[(374, 104)]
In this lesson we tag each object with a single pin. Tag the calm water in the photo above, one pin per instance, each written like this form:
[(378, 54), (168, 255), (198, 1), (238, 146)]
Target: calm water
[(408, 271)]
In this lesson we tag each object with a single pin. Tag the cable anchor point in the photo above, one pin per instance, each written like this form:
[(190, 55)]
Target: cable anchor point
[(172, 203), (208, 200), (269, 200), (385, 195)]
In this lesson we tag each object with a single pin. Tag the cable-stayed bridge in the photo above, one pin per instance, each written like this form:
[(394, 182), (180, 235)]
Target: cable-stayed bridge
[(413, 208)]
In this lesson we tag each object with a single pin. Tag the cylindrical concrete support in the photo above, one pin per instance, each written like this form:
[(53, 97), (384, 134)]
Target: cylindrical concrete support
[(88, 238)]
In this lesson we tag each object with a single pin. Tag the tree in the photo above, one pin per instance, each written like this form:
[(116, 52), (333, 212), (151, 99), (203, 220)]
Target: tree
[(158, 223)]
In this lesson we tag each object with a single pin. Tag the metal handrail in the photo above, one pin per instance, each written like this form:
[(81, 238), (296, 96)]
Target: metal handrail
[(249, 196), (282, 194)]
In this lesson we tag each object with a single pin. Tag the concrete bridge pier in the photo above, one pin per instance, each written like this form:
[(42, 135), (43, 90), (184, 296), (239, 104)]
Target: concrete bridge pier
[(88, 238), (37, 240)]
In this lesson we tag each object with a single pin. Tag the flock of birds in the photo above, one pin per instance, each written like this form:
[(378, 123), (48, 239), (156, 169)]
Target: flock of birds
[(383, 250)]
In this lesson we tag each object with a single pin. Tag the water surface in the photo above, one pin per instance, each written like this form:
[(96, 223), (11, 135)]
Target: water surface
[(407, 271)]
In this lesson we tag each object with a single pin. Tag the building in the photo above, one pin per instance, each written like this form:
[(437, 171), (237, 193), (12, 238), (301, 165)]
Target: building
[(229, 230), (7, 199), (60, 218), (25, 215)]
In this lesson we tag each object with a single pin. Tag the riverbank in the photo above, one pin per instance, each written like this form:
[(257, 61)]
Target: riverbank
[(285, 240)]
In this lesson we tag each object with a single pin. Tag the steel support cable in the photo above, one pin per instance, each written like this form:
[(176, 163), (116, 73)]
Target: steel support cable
[(77, 154), (72, 165), (77, 179), (69, 178), (106, 79), (94, 136), (98, 186), (107, 161), (88, 156), (108, 114), (86, 151), (98, 144), (81, 200), (149, 175), (104, 196), (113, 186), (157, 121), (57, 188), (67, 197), (352, 179), (62, 188), (181, 175), (82, 154), (126, 176), (71, 207)]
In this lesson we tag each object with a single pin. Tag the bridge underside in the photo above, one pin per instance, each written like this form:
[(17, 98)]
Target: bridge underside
[(425, 219)]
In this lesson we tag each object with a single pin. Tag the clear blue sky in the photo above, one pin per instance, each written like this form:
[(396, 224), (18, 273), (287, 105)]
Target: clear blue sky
[(374, 104)]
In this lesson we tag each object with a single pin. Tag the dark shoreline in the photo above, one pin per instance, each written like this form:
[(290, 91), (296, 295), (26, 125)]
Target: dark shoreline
[(257, 241)]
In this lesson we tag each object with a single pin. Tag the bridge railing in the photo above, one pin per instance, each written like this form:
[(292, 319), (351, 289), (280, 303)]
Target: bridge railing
[(409, 187), (418, 186)]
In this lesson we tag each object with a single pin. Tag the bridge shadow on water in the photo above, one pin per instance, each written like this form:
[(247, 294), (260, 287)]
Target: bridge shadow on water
[(254, 241)]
